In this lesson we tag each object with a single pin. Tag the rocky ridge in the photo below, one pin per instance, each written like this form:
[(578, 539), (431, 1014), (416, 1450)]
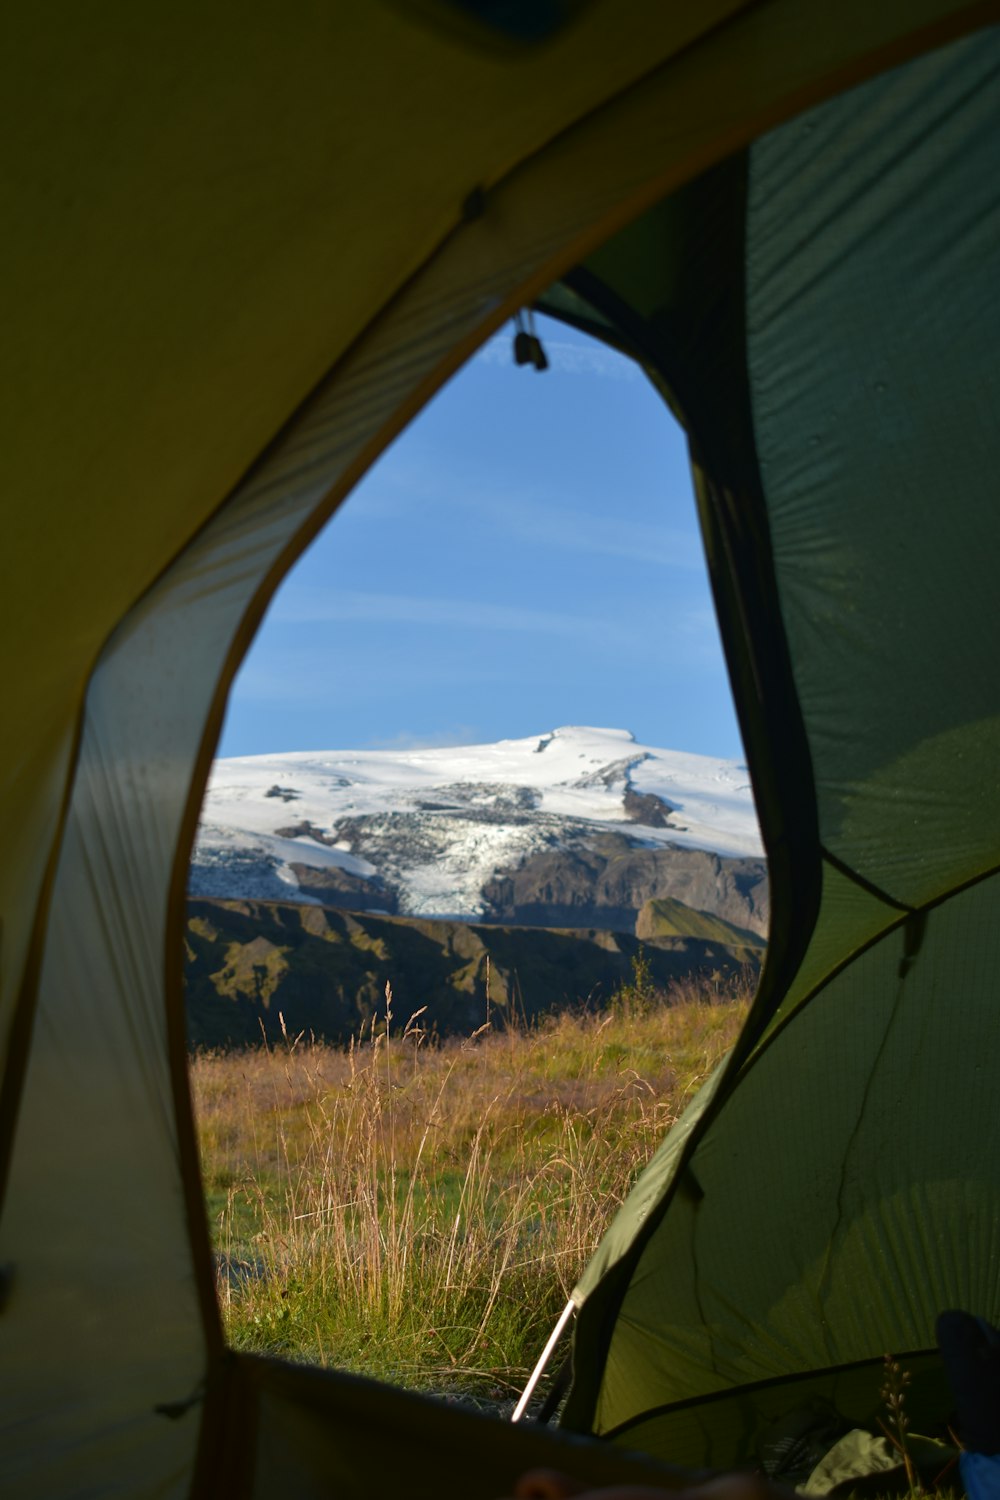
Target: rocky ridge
[(254, 968), (576, 828)]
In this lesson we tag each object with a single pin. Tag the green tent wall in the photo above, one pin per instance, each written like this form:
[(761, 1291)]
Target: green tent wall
[(837, 1188), (244, 250)]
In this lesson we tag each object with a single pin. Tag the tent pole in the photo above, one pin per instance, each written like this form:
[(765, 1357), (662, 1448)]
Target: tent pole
[(546, 1355)]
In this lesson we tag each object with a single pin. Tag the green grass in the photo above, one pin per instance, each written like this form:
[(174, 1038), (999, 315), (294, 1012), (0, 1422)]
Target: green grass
[(419, 1210)]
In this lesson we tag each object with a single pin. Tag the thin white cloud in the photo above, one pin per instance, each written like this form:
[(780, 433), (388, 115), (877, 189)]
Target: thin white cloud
[(310, 676), (533, 517), (603, 536), (569, 359), (315, 606), (699, 622), (445, 739)]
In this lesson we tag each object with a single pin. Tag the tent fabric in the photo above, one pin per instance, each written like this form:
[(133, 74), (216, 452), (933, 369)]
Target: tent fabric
[(209, 214), (247, 249), (892, 191), (338, 1434), (858, 1194), (896, 1212)]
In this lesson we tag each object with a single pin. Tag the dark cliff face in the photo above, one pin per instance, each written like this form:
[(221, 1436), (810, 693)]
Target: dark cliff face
[(339, 888), (608, 886), (256, 966)]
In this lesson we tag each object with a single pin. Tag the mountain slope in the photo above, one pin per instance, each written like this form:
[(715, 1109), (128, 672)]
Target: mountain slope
[(578, 826), (253, 967), (670, 918)]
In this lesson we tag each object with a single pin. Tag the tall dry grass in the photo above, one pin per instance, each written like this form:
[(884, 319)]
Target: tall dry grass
[(420, 1210)]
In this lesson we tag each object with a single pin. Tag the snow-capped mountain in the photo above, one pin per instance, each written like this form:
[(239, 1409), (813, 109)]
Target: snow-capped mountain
[(435, 832)]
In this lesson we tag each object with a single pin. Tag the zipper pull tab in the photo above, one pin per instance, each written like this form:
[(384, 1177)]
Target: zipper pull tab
[(527, 345)]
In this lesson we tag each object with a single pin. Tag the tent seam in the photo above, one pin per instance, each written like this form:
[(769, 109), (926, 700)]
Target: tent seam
[(858, 879), (906, 1357), (23, 1018)]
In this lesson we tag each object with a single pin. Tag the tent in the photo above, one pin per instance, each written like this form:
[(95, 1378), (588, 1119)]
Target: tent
[(244, 247)]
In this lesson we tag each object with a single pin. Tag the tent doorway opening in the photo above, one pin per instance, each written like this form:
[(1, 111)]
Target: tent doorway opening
[(478, 898)]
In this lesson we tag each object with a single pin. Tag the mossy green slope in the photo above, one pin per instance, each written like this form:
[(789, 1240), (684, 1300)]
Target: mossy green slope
[(667, 917)]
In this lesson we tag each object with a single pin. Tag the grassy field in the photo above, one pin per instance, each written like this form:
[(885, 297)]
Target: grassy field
[(420, 1210)]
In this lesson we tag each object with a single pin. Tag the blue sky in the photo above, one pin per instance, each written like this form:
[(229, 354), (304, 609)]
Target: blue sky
[(526, 555)]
